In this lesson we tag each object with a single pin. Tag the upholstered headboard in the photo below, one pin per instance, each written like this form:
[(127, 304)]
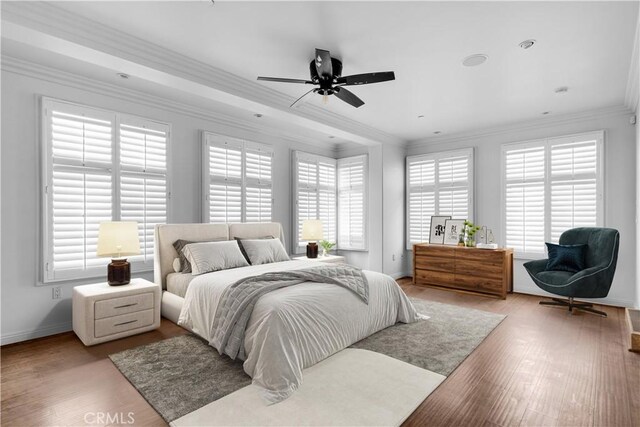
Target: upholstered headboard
[(166, 234)]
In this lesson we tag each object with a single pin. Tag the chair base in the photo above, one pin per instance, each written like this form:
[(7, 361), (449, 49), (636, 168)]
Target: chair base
[(583, 306)]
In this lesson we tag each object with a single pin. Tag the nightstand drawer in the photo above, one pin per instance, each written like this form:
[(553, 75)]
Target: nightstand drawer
[(122, 323), (123, 305)]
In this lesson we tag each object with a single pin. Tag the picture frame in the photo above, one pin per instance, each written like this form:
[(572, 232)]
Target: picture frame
[(452, 230), (436, 234)]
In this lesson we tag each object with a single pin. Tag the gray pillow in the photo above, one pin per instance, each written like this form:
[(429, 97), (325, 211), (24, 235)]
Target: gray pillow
[(244, 253), (214, 256), (264, 251), (178, 245)]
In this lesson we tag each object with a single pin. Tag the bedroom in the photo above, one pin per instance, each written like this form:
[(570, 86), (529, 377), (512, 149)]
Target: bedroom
[(191, 67)]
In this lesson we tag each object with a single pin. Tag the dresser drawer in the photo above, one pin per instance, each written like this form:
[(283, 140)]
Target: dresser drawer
[(125, 322), (434, 250), (482, 284), (483, 255), (489, 269), (428, 277), (123, 305), (433, 263)]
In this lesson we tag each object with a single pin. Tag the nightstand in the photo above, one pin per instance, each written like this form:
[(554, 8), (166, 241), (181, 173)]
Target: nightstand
[(336, 259), (104, 313)]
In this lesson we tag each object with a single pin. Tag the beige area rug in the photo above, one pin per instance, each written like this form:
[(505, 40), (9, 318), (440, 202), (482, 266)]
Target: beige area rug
[(351, 388)]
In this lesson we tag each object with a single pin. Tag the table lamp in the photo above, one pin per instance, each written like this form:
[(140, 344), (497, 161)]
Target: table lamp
[(118, 239), (312, 232)]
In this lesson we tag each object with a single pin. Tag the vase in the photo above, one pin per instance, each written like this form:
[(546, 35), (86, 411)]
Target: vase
[(470, 242), (324, 252)]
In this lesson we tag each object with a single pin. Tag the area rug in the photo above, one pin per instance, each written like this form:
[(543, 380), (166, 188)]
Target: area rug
[(181, 374)]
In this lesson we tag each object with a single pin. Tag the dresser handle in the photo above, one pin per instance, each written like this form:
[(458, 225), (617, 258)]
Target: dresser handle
[(127, 305), (125, 323)]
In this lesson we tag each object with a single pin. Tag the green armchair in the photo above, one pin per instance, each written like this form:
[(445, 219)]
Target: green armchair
[(595, 281)]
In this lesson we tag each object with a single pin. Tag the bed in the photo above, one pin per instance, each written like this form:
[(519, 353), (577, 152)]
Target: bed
[(289, 329)]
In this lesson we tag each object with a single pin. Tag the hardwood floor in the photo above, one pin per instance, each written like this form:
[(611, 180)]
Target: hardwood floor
[(539, 367)]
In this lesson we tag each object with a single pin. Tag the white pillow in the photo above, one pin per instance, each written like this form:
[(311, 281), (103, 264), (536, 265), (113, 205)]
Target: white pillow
[(264, 251), (214, 256), (176, 265)]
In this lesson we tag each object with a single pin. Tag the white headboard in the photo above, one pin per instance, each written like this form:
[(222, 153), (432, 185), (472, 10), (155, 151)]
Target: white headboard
[(166, 234)]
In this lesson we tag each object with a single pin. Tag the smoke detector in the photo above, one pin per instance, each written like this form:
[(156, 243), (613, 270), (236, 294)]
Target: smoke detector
[(562, 89), (527, 44), (474, 60)]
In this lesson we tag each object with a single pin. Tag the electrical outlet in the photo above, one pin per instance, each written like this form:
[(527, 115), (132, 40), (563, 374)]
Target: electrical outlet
[(56, 292)]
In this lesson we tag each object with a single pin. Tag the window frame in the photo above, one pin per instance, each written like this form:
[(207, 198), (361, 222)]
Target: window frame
[(48, 274), (548, 143), (469, 152), (215, 139), (364, 159)]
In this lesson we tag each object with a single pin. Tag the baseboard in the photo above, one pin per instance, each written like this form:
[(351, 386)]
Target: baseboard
[(37, 333), (400, 275)]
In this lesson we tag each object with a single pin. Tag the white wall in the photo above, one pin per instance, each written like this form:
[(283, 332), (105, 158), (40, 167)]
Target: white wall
[(637, 304), (395, 262), (28, 310), (620, 187)]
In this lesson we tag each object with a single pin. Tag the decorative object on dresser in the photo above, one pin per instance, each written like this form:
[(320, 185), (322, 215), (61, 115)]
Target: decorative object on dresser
[(104, 313), (436, 234), (453, 229), (118, 239), (337, 259), (312, 232), (326, 247), (482, 271)]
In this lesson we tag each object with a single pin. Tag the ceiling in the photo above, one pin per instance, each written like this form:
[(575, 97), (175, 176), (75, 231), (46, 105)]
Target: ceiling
[(586, 46)]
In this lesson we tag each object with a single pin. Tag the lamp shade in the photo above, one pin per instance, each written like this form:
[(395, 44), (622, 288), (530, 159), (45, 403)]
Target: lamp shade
[(312, 229), (118, 239)]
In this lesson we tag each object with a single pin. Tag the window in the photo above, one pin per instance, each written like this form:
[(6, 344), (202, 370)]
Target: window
[(315, 193), (236, 180), (352, 179), (438, 184), (99, 166), (550, 186)]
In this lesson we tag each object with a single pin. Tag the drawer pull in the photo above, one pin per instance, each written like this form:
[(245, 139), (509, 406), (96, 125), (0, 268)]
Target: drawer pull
[(126, 305), (125, 323)]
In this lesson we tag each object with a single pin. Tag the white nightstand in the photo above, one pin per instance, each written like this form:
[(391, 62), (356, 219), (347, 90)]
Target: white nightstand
[(337, 259), (104, 313)]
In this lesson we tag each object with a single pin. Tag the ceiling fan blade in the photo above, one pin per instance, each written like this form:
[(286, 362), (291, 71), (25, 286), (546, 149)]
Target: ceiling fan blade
[(348, 97), (297, 100), (365, 79), (323, 64), (278, 79)]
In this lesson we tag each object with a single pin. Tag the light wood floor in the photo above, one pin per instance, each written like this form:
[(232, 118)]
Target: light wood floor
[(539, 367)]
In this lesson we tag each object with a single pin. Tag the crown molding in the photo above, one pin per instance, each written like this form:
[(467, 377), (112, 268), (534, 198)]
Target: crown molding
[(633, 82), (59, 23), (53, 75), (600, 113)]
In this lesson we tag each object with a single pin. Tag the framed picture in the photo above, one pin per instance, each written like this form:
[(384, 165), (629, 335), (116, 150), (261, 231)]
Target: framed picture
[(436, 236), (452, 230)]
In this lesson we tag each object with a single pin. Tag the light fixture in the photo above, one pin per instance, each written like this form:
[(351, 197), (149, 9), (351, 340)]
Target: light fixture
[(312, 232), (527, 44), (117, 240), (544, 113), (438, 132), (331, 136), (561, 89), (123, 75), (258, 115), (474, 60), (421, 116)]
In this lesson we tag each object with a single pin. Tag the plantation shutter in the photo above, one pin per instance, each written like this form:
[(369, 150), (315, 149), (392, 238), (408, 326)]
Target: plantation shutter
[(524, 198), (352, 176), (78, 187), (438, 184), (143, 179), (237, 180), (315, 192)]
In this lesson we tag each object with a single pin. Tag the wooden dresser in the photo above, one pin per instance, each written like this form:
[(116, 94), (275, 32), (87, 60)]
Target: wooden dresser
[(483, 271)]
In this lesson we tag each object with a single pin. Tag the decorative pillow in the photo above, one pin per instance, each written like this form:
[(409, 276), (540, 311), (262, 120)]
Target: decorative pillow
[(244, 253), (264, 251), (176, 265), (179, 245), (566, 257), (214, 256)]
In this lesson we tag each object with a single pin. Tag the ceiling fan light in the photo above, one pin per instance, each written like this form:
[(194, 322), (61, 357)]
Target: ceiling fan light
[(325, 99)]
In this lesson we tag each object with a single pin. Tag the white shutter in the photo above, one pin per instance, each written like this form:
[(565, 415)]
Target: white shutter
[(80, 139), (327, 198), (550, 186), (143, 179), (352, 178), (438, 184), (237, 180)]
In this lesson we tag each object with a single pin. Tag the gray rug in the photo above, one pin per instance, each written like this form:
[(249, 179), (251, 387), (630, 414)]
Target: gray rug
[(182, 374)]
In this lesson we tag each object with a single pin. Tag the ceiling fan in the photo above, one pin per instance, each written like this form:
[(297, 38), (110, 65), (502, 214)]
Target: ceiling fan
[(326, 72)]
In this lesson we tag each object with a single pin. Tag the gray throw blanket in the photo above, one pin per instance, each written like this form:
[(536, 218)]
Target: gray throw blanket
[(237, 302)]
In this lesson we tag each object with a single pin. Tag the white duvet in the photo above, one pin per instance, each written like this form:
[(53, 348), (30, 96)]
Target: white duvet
[(296, 327)]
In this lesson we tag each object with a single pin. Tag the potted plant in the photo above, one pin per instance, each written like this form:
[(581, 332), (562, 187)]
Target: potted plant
[(326, 246), (469, 234)]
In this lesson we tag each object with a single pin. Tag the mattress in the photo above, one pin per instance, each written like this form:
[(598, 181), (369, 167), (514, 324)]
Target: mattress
[(177, 283)]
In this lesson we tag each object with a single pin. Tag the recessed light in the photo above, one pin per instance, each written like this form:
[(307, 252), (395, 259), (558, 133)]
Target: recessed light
[(331, 136), (527, 44), (421, 116), (561, 89), (438, 132), (544, 113), (258, 115), (123, 75), (474, 60)]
